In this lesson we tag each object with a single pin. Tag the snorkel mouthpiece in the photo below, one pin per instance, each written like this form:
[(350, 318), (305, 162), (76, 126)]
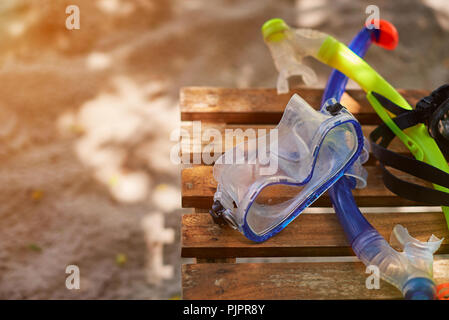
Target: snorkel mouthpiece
[(287, 55)]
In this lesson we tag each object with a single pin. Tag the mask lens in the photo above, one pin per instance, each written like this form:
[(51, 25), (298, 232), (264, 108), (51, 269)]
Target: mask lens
[(276, 203), (272, 206)]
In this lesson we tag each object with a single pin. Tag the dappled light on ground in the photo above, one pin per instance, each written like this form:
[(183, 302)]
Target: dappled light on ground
[(114, 122)]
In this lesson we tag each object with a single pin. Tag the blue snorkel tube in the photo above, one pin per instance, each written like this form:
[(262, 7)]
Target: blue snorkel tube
[(410, 270)]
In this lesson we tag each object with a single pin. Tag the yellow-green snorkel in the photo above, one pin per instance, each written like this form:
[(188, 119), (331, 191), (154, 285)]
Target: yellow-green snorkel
[(289, 46)]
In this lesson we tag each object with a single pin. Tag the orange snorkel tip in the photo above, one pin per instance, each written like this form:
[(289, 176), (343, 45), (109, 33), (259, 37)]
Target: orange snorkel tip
[(387, 37)]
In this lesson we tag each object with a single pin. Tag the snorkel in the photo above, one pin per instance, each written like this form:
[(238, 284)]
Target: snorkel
[(410, 271), (297, 44)]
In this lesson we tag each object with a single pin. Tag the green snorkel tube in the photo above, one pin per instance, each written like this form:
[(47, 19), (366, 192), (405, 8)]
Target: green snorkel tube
[(289, 46)]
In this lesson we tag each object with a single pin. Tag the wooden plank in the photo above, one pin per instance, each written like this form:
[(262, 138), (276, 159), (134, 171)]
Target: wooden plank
[(215, 260), (264, 105), (308, 235), (198, 188), (284, 281), (203, 151), (281, 281)]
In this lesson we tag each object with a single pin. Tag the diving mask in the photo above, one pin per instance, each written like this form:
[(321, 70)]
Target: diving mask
[(263, 186)]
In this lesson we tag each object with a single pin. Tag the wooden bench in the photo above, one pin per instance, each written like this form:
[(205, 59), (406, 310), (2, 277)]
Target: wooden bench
[(217, 274)]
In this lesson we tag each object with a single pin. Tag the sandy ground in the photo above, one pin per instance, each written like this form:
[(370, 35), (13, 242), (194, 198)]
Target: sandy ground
[(87, 114)]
